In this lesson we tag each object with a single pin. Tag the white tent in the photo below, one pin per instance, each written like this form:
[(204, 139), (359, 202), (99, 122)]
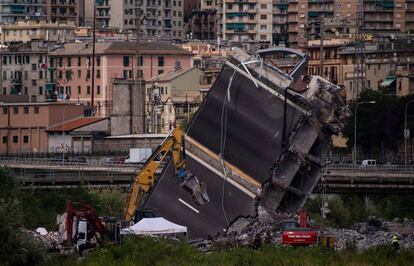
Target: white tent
[(154, 226)]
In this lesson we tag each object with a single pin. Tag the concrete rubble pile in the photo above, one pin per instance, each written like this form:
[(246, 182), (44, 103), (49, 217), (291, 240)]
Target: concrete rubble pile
[(49, 239), (267, 228)]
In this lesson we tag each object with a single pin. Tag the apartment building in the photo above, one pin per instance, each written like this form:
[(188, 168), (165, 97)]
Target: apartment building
[(209, 4), (72, 69), (203, 25), (64, 11), (280, 22), (24, 70), (35, 30), (305, 18), (158, 18), (389, 65), (23, 125), (245, 21), (12, 11)]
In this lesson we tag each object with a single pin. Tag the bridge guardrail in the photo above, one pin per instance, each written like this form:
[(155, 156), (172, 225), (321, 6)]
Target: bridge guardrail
[(67, 162), (382, 168)]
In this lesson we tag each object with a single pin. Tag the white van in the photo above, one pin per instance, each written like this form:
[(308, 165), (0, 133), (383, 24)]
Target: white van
[(369, 163)]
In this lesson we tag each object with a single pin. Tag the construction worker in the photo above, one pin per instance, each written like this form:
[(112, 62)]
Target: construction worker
[(395, 242)]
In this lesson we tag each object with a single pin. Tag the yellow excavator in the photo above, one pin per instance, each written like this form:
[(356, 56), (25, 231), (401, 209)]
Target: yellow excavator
[(145, 178)]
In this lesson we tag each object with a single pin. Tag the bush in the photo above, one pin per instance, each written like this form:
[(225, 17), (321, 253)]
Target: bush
[(16, 246)]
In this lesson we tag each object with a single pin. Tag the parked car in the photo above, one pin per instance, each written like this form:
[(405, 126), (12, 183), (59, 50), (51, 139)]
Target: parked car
[(369, 163)]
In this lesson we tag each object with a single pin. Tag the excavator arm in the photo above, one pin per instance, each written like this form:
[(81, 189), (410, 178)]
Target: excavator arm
[(145, 177)]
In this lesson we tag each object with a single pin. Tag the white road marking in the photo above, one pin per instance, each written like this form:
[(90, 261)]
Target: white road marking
[(188, 205)]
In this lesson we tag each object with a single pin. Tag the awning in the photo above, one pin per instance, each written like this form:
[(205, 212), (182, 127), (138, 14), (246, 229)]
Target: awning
[(154, 226), (388, 81)]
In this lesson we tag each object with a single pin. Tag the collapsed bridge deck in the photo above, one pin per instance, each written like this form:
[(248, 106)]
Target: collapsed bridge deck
[(253, 141)]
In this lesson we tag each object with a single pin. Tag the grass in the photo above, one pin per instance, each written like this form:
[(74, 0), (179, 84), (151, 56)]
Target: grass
[(146, 251)]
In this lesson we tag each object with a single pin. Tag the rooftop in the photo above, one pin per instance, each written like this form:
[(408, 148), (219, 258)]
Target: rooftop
[(75, 124), (119, 47), (168, 76)]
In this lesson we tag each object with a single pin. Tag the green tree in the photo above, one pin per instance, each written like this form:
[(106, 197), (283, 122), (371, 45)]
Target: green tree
[(380, 125)]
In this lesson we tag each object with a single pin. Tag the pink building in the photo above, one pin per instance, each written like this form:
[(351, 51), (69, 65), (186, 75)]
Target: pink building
[(72, 70), (23, 125)]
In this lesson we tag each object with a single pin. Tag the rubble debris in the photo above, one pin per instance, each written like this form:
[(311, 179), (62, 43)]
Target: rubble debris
[(49, 239), (268, 228)]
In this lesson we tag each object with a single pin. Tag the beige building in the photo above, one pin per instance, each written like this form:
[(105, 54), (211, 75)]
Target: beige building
[(25, 71), (246, 21), (171, 97), (15, 10), (30, 30), (158, 18), (389, 65), (65, 11), (23, 125)]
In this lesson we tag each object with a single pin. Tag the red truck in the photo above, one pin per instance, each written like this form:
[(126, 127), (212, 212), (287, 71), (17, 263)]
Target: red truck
[(299, 233)]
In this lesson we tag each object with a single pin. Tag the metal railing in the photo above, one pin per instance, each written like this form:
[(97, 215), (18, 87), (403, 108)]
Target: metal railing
[(95, 162)]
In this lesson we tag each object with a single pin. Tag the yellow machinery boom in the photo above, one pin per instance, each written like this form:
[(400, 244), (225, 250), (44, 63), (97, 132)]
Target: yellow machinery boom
[(145, 177)]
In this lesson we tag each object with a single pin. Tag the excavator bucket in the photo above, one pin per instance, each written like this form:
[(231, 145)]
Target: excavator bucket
[(258, 138)]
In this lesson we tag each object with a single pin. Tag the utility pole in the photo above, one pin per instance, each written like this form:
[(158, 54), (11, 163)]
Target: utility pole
[(93, 56), (359, 65), (138, 76), (321, 52)]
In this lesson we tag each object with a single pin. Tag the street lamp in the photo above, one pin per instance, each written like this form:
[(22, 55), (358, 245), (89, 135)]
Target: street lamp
[(355, 131), (406, 132)]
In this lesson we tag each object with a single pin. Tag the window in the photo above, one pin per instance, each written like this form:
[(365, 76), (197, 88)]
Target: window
[(60, 61), (4, 90), (15, 110), (98, 89), (36, 109), (26, 109), (161, 61), (41, 90), (68, 90), (26, 91), (34, 67), (68, 74), (160, 71), (263, 16), (263, 6), (79, 90), (15, 139), (98, 73), (79, 61), (25, 139), (88, 90), (98, 61), (34, 82), (5, 110), (126, 61), (69, 61), (88, 74), (40, 74), (4, 139), (79, 73)]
